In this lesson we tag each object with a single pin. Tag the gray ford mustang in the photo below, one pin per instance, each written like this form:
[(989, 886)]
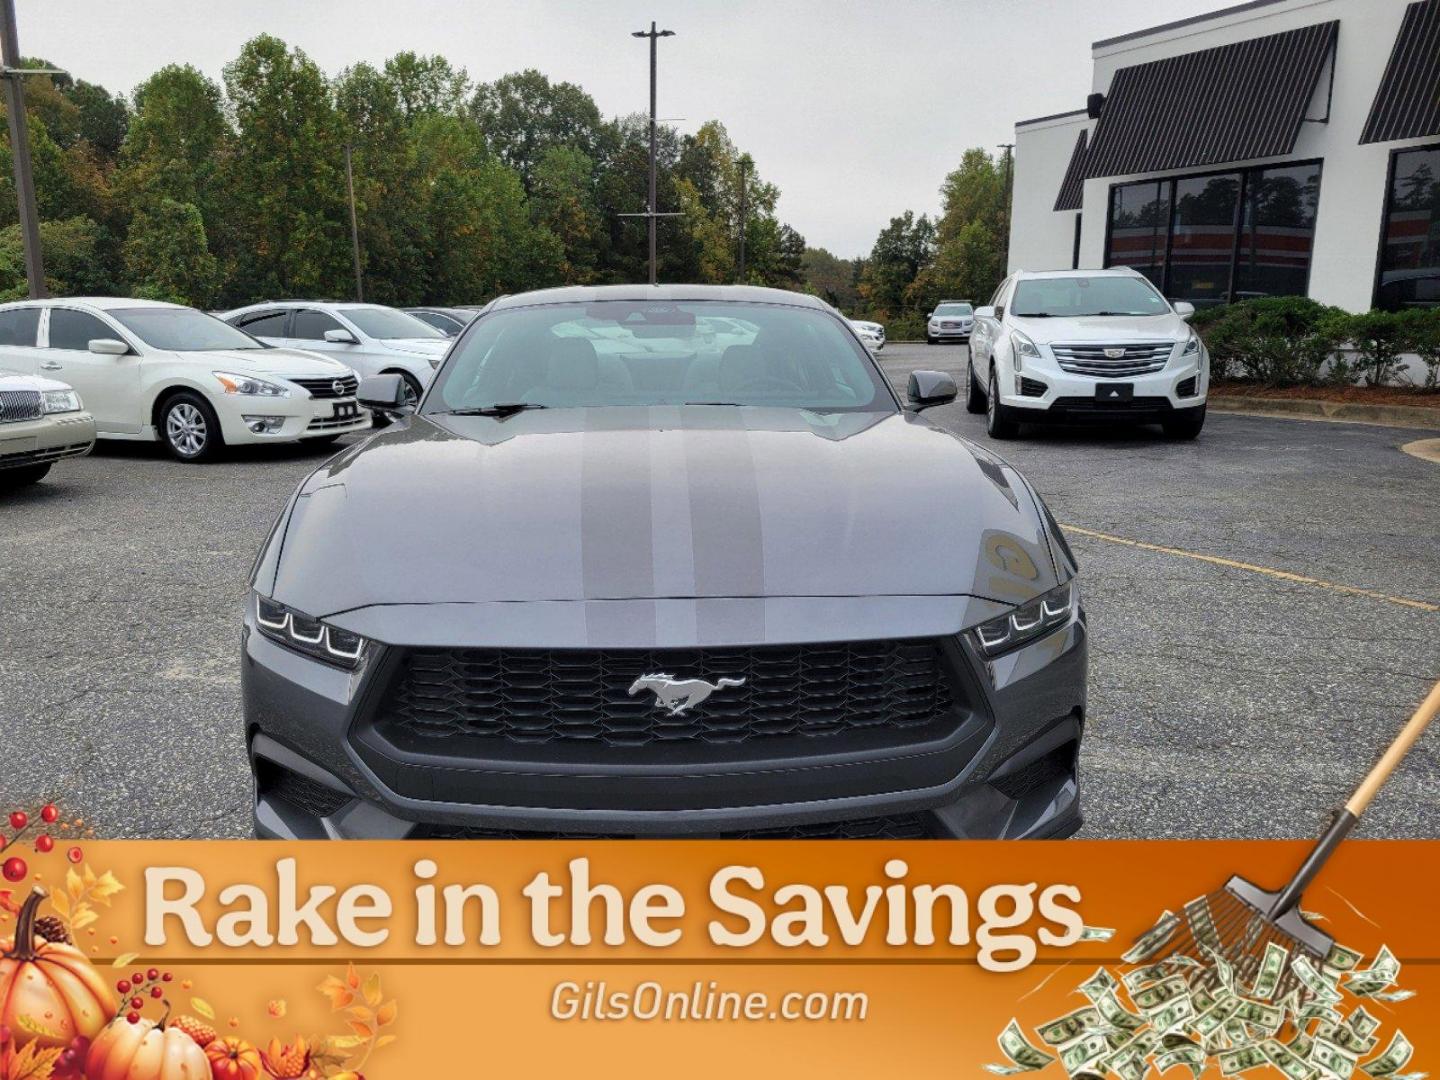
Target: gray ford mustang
[(664, 561)]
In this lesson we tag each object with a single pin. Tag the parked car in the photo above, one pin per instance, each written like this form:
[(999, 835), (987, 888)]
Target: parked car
[(448, 320), (871, 333), (149, 370), (42, 421), (751, 576), (952, 320), (370, 338), (1073, 345)]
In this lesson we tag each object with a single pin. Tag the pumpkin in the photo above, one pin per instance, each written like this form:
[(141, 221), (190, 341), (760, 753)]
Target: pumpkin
[(49, 993), (145, 1051), (233, 1059)]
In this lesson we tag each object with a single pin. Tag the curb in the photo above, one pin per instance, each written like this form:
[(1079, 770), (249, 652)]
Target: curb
[(1406, 416), (1424, 449)]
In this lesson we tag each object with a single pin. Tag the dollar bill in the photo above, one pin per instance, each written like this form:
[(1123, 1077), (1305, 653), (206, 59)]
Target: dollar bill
[(1302, 1044), (1191, 1056), (1096, 933), (1267, 1017), (1334, 1060), (1083, 1052), (1102, 982), (1223, 971), (1287, 1061), (1149, 973), (1391, 996), (1023, 1056), (1153, 940), (1173, 1015), (1162, 993), (1272, 966), (1241, 1058), (1313, 981), (1361, 1022), (1381, 973), (1396, 1056), (1116, 1015), (1213, 1019), (1069, 1027), (1342, 959), (1345, 1037)]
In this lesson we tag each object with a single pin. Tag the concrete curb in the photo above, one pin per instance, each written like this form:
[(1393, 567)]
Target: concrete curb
[(1424, 449), (1405, 416)]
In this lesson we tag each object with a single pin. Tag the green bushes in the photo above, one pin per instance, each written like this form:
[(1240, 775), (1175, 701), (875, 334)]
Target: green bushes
[(1287, 341)]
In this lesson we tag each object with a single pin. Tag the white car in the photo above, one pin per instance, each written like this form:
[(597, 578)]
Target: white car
[(871, 333), (41, 422), (1072, 345), (149, 370), (952, 320), (371, 338)]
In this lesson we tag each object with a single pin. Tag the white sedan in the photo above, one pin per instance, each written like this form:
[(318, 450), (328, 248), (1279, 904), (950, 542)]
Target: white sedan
[(871, 333), (153, 371), (41, 422)]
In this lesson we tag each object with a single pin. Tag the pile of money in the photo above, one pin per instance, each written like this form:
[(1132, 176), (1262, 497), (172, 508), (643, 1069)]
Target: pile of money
[(1198, 1011)]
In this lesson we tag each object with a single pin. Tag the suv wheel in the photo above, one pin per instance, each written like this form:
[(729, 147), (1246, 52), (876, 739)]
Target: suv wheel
[(22, 477), (1184, 424), (999, 424), (190, 429), (929, 340), (974, 396)]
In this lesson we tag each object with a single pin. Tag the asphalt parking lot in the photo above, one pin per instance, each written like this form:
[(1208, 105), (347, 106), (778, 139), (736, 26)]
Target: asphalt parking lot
[(1225, 701)]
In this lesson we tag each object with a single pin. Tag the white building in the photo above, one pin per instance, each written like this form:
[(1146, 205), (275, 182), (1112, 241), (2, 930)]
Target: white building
[(1278, 147)]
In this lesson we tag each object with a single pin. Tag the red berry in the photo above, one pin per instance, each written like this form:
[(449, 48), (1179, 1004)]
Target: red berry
[(15, 869), (166, 977), (133, 1017), (19, 819), (156, 992), (123, 986), (49, 813), (138, 978), (44, 844), (152, 974), (137, 1003), (75, 854)]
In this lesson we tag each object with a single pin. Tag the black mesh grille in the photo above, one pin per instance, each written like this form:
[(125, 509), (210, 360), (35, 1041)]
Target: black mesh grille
[(306, 794), (1053, 766), (326, 388), (892, 827), (1186, 388), (539, 696), (1032, 388)]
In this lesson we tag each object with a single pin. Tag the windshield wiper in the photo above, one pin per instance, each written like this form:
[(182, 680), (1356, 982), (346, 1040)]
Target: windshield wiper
[(1128, 314), (500, 408), (1032, 315)]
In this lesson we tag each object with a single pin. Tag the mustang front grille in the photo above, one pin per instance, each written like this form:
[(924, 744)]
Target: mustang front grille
[(542, 695), (1134, 358), (18, 405)]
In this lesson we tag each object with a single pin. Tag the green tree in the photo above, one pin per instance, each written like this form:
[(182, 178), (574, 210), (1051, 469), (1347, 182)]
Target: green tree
[(427, 84), (167, 255), (73, 250), (524, 114), (903, 249), (564, 204), (969, 235), (830, 277)]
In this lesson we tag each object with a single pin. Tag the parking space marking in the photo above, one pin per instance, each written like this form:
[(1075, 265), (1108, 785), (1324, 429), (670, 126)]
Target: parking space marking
[(1281, 575)]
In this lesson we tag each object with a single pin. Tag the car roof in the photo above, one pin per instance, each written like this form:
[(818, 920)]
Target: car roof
[(1113, 271), (581, 294), (104, 303)]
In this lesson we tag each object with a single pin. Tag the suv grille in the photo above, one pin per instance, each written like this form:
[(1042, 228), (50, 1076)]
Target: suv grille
[(582, 695), (1136, 358), (892, 827), (325, 388), (18, 405)]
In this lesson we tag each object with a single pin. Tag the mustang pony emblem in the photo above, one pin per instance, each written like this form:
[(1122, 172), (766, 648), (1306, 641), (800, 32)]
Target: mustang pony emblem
[(677, 695)]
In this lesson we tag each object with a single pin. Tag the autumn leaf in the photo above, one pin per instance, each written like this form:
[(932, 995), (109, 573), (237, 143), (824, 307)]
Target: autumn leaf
[(84, 915), (35, 1027), (106, 887), (386, 1013), (339, 994), (352, 977), (372, 989), (203, 1007), (73, 884), (384, 1040), (33, 1063), (124, 959), (365, 1031), (343, 1042), (59, 901)]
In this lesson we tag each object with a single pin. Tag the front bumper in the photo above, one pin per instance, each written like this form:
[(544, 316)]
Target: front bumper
[(1066, 397), (46, 439), (1003, 766), (949, 333), (300, 417)]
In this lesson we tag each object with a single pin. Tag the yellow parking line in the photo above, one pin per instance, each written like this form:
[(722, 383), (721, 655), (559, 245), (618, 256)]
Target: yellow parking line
[(1281, 575)]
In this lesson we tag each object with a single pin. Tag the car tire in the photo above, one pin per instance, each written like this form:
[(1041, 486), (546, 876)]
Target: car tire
[(189, 428), (974, 396), (999, 422), (1184, 424), (23, 477), (929, 340)]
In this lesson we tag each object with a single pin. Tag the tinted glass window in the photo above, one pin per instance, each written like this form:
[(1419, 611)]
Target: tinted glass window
[(75, 329), (1277, 231), (954, 309), (1139, 216), (444, 323), (311, 325), (661, 353), (1202, 239), (179, 329), (1086, 295), (387, 324), (1410, 251), (18, 326), (271, 324)]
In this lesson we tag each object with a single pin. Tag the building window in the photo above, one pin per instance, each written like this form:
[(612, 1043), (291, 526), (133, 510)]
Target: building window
[(1410, 244), (1217, 237)]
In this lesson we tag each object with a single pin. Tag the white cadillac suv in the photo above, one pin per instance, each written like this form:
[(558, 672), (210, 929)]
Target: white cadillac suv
[(1074, 345), (154, 371)]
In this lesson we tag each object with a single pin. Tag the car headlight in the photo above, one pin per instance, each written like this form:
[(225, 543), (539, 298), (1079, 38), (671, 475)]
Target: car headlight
[(58, 401), (1192, 345), (249, 385), (305, 634), (1028, 622), (1023, 346)]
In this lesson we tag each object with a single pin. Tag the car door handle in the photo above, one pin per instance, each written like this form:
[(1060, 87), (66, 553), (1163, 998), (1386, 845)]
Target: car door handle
[(51, 365)]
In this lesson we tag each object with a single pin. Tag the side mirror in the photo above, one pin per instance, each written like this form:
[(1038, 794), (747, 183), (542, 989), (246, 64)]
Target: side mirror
[(985, 312), (341, 337), (929, 388), (387, 393), (108, 346), (1184, 309)]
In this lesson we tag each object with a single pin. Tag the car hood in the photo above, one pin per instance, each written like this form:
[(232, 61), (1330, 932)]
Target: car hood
[(663, 502), (1104, 328), (13, 380), (285, 363)]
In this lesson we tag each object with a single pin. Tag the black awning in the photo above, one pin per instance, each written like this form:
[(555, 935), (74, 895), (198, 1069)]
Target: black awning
[(1407, 104), (1072, 187), (1231, 103)]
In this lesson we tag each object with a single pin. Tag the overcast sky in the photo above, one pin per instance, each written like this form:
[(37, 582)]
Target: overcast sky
[(856, 110)]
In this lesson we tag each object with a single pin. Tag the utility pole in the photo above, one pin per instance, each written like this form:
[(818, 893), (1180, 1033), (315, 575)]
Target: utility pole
[(654, 35), (744, 165), (12, 73), (354, 227), (1005, 234)]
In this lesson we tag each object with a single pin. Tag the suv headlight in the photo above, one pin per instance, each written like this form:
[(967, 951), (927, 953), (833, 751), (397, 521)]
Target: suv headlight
[(249, 385), (58, 401), (1023, 346), (1028, 622), (1192, 345), (305, 634)]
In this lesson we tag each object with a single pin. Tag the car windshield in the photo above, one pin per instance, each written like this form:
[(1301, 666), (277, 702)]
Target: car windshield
[(182, 329), (387, 324), (621, 352), (1069, 297), (954, 309)]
